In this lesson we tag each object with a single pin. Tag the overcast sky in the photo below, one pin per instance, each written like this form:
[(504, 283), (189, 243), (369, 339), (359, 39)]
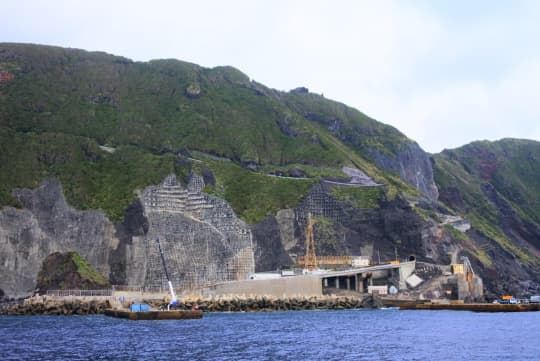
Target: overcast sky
[(445, 73)]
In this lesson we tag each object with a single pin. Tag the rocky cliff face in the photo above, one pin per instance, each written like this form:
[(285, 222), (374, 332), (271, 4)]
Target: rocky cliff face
[(412, 164), (345, 229), (204, 242), (202, 239), (384, 145), (45, 225)]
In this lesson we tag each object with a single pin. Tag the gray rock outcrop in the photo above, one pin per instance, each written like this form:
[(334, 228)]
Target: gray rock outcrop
[(342, 229), (45, 225), (358, 177), (202, 239), (412, 164)]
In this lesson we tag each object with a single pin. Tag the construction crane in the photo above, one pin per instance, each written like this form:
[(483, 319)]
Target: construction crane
[(310, 260), (174, 300)]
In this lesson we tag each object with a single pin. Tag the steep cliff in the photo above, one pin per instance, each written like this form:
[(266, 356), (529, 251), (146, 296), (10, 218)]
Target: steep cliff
[(496, 185), (349, 221), (411, 163), (384, 145), (47, 224), (203, 241), (247, 165)]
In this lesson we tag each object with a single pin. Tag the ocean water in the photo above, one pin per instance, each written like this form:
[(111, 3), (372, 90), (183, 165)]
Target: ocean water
[(293, 335)]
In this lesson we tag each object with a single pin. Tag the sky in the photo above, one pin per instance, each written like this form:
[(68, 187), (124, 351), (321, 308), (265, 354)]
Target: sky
[(445, 73)]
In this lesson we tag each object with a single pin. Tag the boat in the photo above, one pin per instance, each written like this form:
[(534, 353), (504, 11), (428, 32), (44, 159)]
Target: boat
[(154, 315), (141, 311)]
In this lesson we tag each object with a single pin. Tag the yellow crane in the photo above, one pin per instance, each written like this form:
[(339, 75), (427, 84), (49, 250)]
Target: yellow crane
[(310, 260)]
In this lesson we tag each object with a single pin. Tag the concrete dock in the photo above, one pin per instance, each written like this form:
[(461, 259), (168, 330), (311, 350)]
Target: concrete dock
[(475, 307)]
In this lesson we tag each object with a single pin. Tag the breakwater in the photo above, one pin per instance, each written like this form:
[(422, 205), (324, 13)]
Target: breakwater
[(262, 304), (44, 305), (9, 302)]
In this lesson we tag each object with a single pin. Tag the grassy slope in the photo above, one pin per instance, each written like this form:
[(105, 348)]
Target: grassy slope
[(511, 166), (63, 103), (348, 124), (92, 178), (86, 271), (117, 102), (59, 272)]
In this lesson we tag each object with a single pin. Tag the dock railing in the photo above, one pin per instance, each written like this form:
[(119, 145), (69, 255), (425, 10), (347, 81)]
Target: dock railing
[(80, 293)]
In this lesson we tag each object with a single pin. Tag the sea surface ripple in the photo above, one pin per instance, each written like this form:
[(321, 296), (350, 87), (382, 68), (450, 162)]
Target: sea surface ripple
[(293, 335)]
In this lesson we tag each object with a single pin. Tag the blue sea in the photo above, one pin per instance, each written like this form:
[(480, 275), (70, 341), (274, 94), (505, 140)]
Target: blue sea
[(293, 335)]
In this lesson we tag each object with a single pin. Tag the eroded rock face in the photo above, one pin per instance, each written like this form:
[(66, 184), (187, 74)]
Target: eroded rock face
[(394, 226), (412, 164), (202, 239), (48, 224), (270, 253), (341, 229)]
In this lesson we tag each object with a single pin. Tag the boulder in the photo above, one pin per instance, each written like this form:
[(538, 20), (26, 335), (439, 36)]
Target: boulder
[(69, 271)]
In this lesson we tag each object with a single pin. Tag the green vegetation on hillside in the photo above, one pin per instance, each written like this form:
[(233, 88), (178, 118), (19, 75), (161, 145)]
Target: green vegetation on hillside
[(359, 197), (91, 177), (254, 196), (69, 271), (85, 270), (309, 170), (488, 181), (115, 102), (63, 104), (348, 124)]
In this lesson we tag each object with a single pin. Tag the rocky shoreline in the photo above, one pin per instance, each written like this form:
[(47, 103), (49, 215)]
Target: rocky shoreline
[(43, 305)]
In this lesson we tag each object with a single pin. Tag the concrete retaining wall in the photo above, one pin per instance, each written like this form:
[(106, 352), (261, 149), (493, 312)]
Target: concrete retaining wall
[(304, 286)]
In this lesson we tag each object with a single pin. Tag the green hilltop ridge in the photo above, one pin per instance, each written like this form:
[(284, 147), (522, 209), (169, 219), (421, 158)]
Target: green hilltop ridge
[(63, 104)]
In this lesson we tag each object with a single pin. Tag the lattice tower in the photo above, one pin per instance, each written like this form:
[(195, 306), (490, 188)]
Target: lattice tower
[(311, 258)]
